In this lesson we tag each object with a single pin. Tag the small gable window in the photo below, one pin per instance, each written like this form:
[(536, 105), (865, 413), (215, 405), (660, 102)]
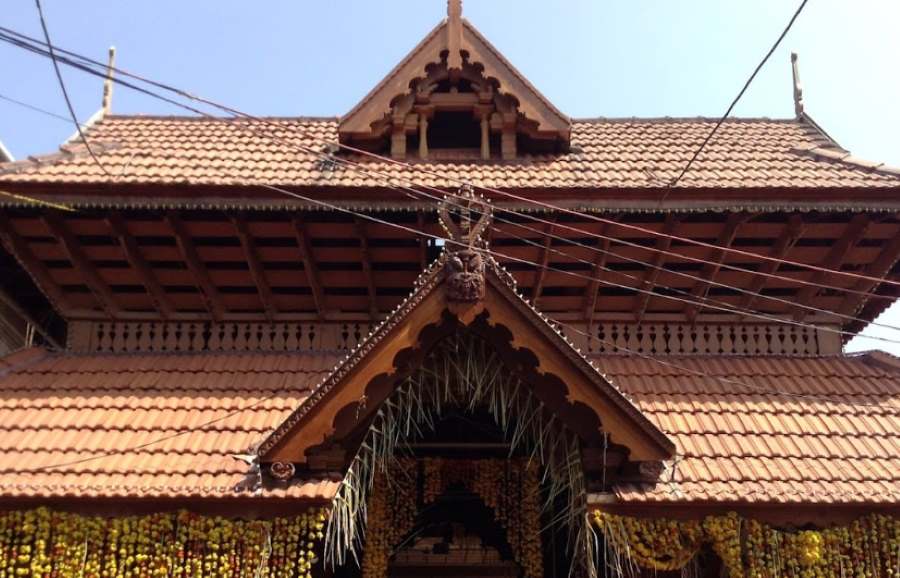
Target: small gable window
[(455, 97)]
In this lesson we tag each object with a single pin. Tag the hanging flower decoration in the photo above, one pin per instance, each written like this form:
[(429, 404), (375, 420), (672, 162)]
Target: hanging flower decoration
[(46, 544), (510, 488), (866, 548)]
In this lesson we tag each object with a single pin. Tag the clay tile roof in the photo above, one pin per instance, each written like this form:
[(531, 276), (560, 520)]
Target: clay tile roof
[(606, 153), (831, 436), (835, 438), (59, 409)]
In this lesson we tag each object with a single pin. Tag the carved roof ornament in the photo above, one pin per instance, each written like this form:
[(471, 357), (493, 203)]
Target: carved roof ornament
[(465, 218), (454, 34), (456, 97), (798, 88)]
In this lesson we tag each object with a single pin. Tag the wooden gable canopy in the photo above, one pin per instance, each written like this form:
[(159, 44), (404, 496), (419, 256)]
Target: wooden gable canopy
[(448, 300), (455, 77)]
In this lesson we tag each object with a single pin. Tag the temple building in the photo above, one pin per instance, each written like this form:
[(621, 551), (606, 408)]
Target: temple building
[(453, 332)]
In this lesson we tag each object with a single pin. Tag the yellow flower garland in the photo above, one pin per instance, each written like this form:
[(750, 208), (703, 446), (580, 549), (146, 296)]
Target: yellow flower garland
[(392, 506), (47, 544), (867, 548)]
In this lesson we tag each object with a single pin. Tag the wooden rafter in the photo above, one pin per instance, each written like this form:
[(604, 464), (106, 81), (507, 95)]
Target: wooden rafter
[(16, 245), (878, 268), (652, 274), (256, 267), (211, 297), (423, 241), (592, 293), (545, 261), (309, 265), (789, 236), (80, 261), (139, 264), (362, 233), (855, 230), (711, 269)]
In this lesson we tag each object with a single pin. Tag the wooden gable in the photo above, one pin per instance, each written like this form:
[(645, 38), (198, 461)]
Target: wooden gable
[(454, 69), (568, 383)]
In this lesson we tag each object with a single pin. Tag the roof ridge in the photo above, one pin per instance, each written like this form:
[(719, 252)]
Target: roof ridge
[(881, 359), (844, 156), (213, 118), (699, 118)]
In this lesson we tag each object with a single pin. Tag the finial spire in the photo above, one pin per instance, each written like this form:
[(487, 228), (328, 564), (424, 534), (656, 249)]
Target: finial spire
[(454, 34), (106, 106), (798, 89)]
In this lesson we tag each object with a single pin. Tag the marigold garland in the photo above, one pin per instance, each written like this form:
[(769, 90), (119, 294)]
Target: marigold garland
[(510, 488), (866, 548), (48, 544)]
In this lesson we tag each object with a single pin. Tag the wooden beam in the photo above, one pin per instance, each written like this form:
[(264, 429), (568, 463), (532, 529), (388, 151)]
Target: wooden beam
[(592, 291), (79, 259), (309, 265), (19, 249), (652, 274), (211, 298), (855, 230), (789, 236), (139, 264), (256, 268), (362, 233), (538, 287), (711, 269), (880, 267)]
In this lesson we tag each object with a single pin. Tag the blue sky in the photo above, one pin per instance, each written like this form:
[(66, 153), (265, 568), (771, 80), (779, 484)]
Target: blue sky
[(590, 57)]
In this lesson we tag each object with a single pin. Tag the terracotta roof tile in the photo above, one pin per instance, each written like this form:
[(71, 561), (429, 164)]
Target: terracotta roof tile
[(206, 408), (833, 438), (606, 153), (832, 435)]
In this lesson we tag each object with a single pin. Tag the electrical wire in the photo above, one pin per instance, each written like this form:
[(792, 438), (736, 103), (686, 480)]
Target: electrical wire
[(508, 257), (724, 307), (31, 107), (627, 350), (62, 86), (206, 424), (329, 143), (759, 66)]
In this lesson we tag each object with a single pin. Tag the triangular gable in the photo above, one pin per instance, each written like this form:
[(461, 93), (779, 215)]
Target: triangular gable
[(431, 304), (507, 102)]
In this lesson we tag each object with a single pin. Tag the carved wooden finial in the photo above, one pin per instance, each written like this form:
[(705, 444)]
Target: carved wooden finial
[(454, 34), (798, 89), (106, 106), (464, 268)]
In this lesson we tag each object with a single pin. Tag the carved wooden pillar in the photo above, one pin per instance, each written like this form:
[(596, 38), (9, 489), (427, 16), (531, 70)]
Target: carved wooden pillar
[(423, 136)]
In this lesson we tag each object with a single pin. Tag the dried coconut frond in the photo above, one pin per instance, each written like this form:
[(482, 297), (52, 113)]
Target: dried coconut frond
[(465, 372)]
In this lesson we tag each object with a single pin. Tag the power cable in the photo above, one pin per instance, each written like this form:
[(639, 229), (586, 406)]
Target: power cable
[(31, 107), (62, 86), (424, 170), (759, 66), (549, 206), (361, 215), (450, 241), (726, 307)]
